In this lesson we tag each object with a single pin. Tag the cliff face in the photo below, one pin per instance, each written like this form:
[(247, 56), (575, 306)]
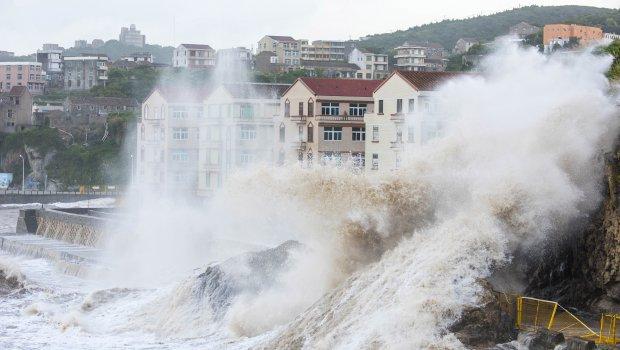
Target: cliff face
[(38, 161), (584, 270)]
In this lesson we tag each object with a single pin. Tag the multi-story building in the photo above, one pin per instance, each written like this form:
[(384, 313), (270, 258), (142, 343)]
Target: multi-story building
[(323, 50), (410, 57), (7, 53), (194, 56), (28, 74), (51, 59), (94, 110), (371, 65), (15, 110), (139, 57), (84, 72), (523, 29), (131, 36), (562, 33), (81, 44), (237, 131), (97, 43), (406, 116), (324, 119), (463, 45), (611, 36), (168, 139), (287, 50), (234, 58), (330, 69)]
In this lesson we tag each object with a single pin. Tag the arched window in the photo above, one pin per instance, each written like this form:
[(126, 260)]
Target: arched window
[(287, 108), (146, 112), (310, 132), (282, 132), (310, 108)]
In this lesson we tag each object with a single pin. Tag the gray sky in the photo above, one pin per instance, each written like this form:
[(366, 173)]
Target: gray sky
[(26, 24)]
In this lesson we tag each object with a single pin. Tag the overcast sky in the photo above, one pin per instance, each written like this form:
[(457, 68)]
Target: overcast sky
[(26, 24)]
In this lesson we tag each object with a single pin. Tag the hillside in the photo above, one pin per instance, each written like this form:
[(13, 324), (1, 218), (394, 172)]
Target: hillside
[(486, 28), (115, 50)]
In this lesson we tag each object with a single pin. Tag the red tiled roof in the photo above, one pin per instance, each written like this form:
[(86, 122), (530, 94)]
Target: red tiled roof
[(197, 46), (427, 81), (341, 87), (281, 38), (18, 90)]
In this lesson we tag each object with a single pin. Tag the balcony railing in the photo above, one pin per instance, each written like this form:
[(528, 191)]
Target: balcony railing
[(397, 144), (299, 145), (339, 118), (298, 118), (397, 117)]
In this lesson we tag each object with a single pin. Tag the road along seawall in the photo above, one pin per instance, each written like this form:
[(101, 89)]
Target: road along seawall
[(25, 198)]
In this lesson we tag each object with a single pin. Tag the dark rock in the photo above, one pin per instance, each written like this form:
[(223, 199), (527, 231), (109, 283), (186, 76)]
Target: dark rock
[(579, 344), (486, 325), (9, 283), (541, 339)]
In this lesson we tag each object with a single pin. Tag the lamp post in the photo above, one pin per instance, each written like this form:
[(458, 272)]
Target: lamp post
[(23, 172), (131, 156)]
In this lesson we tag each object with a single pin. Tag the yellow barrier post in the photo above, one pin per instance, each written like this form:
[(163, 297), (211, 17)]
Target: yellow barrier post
[(519, 311), (555, 307)]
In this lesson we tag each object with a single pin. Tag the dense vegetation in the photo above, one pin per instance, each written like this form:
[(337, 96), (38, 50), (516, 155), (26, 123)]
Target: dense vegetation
[(614, 50), (116, 50), (485, 28)]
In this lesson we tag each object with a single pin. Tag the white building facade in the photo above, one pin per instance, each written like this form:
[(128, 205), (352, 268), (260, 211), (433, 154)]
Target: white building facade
[(410, 57), (194, 56), (372, 65)]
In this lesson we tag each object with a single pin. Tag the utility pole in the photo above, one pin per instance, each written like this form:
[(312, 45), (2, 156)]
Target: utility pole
[(131, 156), (23, 172)]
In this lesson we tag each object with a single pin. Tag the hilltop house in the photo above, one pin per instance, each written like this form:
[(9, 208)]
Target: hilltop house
[(16, 110)]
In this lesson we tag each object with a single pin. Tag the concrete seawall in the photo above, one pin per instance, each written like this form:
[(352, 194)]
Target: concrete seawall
[(76, 226)]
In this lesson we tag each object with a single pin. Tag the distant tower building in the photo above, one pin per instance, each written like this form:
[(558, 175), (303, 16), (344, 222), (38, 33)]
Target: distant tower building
[(97, 43), (80, 44), (131, 36)]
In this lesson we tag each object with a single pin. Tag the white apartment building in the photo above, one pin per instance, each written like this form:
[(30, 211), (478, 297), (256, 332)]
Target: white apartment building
[(372, 65), (406, 116), (194, 56), (168, 140), (238, 131), (410, 57), (323, 50)]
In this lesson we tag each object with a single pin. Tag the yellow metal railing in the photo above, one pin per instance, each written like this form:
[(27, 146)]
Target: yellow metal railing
[(532, 313)]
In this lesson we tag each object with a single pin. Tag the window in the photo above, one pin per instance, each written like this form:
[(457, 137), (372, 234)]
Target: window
[(179, 112), (180, 134), (180, 156), (375, 133), (282, 132), (411, 134), (411, 105), (310, 108), (357, 109), (358, 134), (301, 108), (248, 132), (368, 75), (180, 177), (198, 113), (330, 108), (208, 180), (380, 106), (214, 157), (310, 133), (245, 159), (375, 161), (247, 111), (399, 105), (287, 108), (332, 133)]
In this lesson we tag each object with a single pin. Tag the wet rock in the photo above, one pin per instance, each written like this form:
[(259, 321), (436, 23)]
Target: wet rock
[(10, 283), (250, 272), (579, 344), (484, 326)]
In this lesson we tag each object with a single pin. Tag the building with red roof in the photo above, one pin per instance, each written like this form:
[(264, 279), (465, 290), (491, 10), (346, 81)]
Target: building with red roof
[(406, 116), (324, 119)]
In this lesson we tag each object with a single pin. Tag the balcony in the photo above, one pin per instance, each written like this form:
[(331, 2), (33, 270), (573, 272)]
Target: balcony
[(212, 167), (102, 67), (298, 118), (397, 144), (340, 118), (397, 117), (299, 145)]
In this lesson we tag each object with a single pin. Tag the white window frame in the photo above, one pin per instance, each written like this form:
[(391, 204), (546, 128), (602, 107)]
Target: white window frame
[(332, 133), (247, 132), (330, 108), (358, 109), (180, 156), (180, 134), (375, 133), (358, 134)]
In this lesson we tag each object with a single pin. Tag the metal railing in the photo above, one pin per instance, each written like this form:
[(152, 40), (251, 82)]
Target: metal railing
[(533, 314), (76, 192)]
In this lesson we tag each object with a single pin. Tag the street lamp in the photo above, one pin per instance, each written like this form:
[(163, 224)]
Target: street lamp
[(23, 172), (131, 156)]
